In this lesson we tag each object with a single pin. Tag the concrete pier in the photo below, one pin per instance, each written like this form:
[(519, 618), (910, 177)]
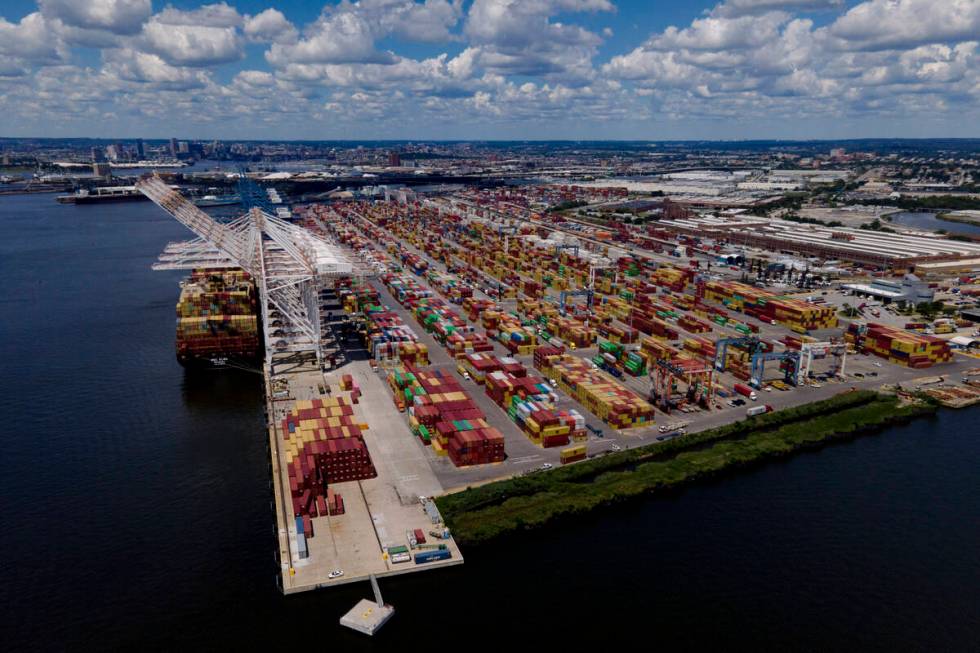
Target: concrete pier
[(378, 511)]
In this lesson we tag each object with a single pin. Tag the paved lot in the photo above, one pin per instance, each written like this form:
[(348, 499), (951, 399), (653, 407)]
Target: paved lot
[(378, 511), (524, 456)]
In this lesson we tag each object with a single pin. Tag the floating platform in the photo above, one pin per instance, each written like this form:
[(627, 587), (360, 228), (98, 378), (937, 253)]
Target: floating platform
[(367, 617)]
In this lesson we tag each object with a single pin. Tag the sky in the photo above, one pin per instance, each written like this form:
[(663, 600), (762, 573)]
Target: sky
[(490, 69)]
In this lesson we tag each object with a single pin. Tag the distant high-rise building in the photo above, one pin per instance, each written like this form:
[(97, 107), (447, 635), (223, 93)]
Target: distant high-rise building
[(112, 152), (96, 155), (394, 159), (183, 147), (173, 148), (140, 150), (6, 159)]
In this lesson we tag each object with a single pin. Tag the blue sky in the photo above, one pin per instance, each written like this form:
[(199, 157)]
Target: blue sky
[(481, 69)]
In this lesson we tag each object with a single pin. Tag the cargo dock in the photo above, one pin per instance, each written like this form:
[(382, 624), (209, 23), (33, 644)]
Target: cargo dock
[(378, 511), (360, 508), (418, 347)]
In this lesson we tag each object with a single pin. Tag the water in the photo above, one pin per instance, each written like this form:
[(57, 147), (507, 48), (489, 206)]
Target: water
[(136, 504), (930, 222)]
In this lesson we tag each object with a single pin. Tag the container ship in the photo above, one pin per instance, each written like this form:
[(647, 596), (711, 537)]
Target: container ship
[(217, 318)]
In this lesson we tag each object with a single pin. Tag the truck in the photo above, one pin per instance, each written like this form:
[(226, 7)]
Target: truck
[(745, 391), (758, 410)]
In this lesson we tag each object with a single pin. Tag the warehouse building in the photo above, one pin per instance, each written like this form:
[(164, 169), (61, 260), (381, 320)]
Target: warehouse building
[(897, 251), (910, 289)]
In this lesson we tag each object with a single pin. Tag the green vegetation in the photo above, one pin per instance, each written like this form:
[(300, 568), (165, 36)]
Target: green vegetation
[(482, 513), (965, 219), (928, 310), (566, 205), (875, 225), (792, 217)]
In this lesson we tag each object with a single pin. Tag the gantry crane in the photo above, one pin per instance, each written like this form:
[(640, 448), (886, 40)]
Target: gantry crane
[(700, 389), (791, 371), (837, 349), (752, 344), (289, 264)]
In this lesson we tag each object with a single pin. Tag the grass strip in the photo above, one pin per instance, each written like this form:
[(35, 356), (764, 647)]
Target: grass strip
[(495, 493), (562, 498)]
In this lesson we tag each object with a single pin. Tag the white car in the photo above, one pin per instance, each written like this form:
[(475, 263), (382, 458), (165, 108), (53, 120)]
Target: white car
[(616, 447), (877, 364), (336, 573), (546, 466)]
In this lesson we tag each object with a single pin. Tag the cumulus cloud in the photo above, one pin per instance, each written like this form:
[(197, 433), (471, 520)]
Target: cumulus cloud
[(202, 37), (214, 15), (518, 37), (270, 26), (32, 39), (736, 8), (10, 68), (504, 63), (754, 58), (150, 69), (428, 22), (347, 33), (882, 24), (718, 34), (342, 37), (115, 16)]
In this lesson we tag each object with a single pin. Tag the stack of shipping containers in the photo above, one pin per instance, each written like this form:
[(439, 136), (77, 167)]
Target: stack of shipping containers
[(217, 316), (899, 346)]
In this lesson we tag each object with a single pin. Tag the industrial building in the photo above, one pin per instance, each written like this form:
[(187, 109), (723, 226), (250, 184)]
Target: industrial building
[(911, 289), (884, 249)]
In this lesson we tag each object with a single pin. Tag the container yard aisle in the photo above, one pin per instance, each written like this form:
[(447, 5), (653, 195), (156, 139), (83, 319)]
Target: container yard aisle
[(394, 449), (404, 473), (522, 454)]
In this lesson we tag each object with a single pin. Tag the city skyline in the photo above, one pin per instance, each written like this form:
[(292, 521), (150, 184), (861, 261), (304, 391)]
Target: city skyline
[(490, 69)]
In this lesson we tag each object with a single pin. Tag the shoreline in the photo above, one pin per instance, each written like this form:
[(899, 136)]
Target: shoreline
[(478, 515), (962, 219)]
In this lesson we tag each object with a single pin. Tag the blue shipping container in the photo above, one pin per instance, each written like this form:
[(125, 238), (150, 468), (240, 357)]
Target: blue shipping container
[(433, 555)]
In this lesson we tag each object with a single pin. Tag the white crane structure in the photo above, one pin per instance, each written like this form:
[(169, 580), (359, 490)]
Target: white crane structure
[(289, 264), (809, 350)]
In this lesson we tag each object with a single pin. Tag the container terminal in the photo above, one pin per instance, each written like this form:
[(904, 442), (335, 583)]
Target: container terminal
[(418, 345)]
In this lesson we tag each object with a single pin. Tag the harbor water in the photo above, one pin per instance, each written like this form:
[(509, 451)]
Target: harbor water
[(136, 505), (931, 222)]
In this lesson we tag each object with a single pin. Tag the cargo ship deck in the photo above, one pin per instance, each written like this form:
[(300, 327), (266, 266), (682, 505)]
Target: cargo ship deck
[(378, 511)]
